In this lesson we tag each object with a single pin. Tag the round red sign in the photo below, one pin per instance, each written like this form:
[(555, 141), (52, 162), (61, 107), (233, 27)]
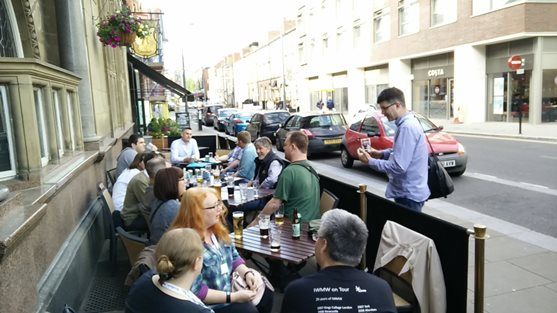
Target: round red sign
[(514, 62)]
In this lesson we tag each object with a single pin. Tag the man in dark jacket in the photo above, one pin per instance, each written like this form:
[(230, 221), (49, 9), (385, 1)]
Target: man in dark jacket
[(268, 165)]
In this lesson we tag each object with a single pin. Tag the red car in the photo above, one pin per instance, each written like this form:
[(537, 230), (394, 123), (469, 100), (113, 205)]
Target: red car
[(381, 133)]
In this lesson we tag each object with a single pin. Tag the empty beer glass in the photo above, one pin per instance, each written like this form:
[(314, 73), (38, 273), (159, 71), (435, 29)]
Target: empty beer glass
[(275, 238), (264, 225)]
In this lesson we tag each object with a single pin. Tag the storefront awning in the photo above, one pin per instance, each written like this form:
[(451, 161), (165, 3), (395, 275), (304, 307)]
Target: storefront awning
[(159, 78)]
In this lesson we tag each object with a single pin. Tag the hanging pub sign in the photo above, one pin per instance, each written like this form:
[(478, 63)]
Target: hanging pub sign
[(146, 47)]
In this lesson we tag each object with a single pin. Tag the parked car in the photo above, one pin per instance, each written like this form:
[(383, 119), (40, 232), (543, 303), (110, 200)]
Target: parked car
[(266, 123), (208, 112), (220, 116), (380, 132), (237, 122), (324, 130)]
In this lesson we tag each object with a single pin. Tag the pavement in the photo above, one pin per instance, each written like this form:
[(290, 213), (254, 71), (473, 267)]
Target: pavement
[(520, 264)]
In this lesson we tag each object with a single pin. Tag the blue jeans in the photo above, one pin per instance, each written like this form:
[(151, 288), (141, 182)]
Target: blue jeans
[(410, 204)]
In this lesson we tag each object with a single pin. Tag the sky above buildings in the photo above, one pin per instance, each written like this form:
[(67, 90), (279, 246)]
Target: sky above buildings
[(208, 30)]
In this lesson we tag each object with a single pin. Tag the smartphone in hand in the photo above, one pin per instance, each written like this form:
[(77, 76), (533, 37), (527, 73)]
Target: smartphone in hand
[(365, 144)]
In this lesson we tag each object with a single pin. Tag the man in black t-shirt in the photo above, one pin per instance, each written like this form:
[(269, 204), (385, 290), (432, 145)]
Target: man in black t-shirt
[(339, 287)]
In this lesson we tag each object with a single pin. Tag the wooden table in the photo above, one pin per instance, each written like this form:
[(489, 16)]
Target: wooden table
[(291, 251)]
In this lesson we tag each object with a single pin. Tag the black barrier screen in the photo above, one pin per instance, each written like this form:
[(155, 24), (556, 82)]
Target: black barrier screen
[(206, 144), (451, 240)]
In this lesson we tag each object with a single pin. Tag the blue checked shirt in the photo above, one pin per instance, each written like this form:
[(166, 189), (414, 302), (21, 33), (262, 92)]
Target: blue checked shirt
[(211, 276)]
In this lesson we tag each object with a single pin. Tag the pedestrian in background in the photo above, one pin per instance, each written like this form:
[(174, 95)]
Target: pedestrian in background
[(406, 163)]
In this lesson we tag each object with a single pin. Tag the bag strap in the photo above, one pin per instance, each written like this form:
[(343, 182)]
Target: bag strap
[(309, 168), (425, 135), (155, 212)]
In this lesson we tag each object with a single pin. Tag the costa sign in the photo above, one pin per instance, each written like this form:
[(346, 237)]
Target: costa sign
[(514, 62)]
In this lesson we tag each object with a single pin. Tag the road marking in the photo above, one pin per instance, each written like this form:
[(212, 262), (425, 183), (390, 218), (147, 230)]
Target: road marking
[(457, 134), (548, 157), (523, 185)]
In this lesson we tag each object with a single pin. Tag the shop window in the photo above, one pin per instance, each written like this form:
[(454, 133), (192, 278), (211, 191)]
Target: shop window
[(42, 127), (7, 158), (549, 96), (325, 45), (340, 98), (381, 25), (408, 17), (356, 36), (443, 12), (372, 91)]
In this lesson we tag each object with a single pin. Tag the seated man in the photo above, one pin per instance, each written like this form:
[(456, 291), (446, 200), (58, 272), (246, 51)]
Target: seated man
[(342, 238), (246, 168), (136, 145), (298, 184), (268, 165), (140, 196), (184, 150), (233, 159)]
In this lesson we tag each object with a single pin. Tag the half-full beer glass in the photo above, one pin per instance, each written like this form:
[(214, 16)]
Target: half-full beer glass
[(238, 222)]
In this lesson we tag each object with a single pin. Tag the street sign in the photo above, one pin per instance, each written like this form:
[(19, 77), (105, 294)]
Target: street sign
[(514, 62)]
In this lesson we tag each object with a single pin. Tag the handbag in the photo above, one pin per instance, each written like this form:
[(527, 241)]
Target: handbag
[(439, 181), (238, 283)]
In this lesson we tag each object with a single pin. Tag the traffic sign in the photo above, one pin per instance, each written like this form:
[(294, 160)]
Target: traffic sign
[(514, 62)]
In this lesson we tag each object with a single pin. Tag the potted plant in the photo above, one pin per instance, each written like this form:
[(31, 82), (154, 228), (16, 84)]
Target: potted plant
[(155, 131), (121, 29)]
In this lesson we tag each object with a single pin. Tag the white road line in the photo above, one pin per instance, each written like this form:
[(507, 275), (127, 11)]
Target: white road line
[(527, 186), (548, 157)]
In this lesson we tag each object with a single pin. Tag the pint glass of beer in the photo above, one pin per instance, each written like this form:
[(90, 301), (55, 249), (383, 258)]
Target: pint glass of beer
[(264, 225), (279, 216), (238, 222), (217, 187)]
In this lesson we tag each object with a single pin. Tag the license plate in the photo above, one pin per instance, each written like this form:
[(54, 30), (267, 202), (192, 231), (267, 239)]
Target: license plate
[(449, 163), (332, 141)]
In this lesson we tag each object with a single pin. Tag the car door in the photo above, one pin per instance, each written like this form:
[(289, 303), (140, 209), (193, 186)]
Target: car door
[(291, 124)]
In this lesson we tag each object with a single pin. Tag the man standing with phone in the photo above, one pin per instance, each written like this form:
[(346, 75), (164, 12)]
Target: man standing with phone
[(406, 163)]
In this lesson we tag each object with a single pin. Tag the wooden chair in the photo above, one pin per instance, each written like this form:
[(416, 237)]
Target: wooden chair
[(133, 244), (111, 178), (328, 201), (110, 230), (403, 294)]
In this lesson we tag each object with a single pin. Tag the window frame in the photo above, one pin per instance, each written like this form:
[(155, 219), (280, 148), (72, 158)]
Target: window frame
[(9, 133), (71, 115), (408, 16), (383, 18), (41, 116), (453, 9)]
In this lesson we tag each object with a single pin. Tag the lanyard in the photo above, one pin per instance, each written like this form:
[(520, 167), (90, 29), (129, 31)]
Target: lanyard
[(186, 293), (215, 247)]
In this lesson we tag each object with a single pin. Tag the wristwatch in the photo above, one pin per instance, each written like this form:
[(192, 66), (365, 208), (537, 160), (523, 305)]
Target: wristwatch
[(228, 297)]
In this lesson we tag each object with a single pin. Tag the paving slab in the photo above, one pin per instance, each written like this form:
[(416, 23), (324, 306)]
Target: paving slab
[(504, 277), (537, 299), (504, 248), (543, 264)]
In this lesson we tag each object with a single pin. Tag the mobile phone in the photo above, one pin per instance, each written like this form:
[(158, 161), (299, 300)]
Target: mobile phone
[(365, 144)]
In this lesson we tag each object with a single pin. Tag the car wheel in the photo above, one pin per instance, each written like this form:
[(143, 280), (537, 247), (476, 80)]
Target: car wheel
[(345, 158), (459, 173)]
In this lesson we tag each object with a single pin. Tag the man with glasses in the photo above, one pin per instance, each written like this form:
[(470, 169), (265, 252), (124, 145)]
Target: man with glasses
[(406, 163), (342, 238)]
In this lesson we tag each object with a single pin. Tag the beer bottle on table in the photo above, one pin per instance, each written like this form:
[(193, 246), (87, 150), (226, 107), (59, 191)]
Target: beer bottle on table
[(295, 225)]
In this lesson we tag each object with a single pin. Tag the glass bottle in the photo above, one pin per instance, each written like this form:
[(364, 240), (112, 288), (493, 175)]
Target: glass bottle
[(296, 225)]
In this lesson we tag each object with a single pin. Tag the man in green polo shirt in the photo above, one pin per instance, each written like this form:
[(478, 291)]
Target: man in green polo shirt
[(298, 184)]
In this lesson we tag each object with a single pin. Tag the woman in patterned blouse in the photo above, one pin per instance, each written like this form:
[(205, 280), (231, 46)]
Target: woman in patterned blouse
[(202, 210)]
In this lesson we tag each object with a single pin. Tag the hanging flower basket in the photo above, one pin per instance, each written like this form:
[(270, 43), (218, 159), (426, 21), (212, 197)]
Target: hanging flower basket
[(121, 29)]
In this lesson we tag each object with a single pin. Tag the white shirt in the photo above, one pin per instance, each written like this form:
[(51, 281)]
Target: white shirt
[(179, 150), (120, 186)]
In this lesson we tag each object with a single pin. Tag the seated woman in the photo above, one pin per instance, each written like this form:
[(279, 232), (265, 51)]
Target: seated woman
[(168, 188), (179, 262), (202, 210), (121, 184)]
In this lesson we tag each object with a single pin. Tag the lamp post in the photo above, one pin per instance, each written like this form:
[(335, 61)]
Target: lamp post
[(283, 75)]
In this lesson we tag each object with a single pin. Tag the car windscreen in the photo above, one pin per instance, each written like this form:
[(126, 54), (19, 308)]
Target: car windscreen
[(426, 124), (275, 118), (326, 121), (388, 126), (225, 113)]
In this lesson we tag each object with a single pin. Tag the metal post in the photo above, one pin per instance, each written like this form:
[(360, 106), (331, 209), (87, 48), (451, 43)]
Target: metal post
[(480, 236), (363, 215), (283, 75)]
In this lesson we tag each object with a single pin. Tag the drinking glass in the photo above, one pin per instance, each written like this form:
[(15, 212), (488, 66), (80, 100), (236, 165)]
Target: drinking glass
[(256, 188), (264, 225), (243, 190), (238, 222), (279, 216), (275, 238)]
